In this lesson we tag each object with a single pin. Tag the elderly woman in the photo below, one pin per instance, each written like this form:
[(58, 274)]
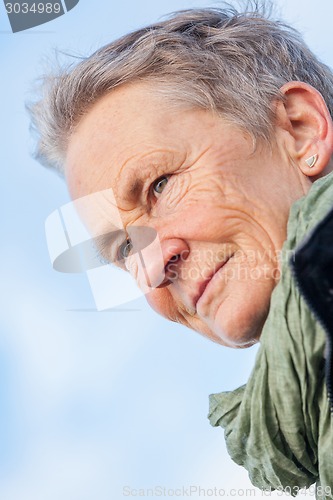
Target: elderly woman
[(214, 129)]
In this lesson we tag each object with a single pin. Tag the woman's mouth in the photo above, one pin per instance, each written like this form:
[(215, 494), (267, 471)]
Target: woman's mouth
[(207, 284)]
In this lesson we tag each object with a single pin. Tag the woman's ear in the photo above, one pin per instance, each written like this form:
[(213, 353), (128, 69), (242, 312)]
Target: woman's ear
[(304, 117)]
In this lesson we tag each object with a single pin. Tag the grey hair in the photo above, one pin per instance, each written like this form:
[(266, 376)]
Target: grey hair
[(220, 59)]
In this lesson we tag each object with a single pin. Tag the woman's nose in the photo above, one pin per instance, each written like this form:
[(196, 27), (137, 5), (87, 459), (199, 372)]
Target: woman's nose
[(159, 263), (174, 252)]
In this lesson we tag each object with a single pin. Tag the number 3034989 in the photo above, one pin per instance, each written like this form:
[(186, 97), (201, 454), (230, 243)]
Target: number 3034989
[(34, 8)]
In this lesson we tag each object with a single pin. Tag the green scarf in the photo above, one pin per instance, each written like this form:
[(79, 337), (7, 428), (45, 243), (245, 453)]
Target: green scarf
[(278, 426)]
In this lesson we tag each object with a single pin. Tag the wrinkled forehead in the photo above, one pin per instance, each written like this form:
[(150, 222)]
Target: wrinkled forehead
[(123, 124), (99, 211)]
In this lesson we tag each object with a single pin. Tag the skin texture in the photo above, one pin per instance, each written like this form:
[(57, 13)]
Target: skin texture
[(221, 203)]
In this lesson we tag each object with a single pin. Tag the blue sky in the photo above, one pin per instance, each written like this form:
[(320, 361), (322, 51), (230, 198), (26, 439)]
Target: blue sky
[(92, 402)]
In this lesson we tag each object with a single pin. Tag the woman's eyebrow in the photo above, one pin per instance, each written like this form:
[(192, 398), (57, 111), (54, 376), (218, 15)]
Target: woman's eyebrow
[(135, 189), (134, 179)]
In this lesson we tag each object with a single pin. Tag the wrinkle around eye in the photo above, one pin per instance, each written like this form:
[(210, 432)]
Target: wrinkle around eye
[(178, 189)]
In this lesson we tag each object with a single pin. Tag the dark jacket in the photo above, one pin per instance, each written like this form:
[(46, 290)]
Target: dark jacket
[(312, 266)]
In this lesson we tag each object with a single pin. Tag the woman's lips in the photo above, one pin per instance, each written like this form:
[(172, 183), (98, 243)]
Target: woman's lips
[(204, 285)]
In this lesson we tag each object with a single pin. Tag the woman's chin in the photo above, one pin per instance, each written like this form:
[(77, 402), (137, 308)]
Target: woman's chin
[(238, 331)]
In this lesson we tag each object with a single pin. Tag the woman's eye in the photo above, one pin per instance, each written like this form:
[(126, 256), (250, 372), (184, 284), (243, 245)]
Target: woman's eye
[(160, 184), (125, 249)]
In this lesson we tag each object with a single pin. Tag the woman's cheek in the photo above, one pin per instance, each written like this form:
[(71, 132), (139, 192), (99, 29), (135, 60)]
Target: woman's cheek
[(131, 266)]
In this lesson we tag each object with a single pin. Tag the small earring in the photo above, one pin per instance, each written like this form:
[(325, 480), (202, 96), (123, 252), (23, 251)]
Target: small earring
[(312, 160)]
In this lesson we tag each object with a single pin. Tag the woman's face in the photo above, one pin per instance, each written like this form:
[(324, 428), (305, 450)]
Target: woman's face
[(220, 210)]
